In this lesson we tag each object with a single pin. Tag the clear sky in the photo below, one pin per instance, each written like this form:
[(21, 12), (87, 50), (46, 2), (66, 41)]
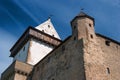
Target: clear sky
[(17, 15)]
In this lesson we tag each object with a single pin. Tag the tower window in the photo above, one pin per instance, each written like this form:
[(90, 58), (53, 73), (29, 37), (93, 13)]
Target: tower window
[(26, 74), (74, 27), (91, 36), (108, 70), (107, 43), (18, 71), (48, 26), (90, 25)]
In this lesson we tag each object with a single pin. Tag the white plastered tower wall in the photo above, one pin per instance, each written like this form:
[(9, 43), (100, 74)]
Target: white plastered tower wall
[(35, 50), (48, 28), (38, 49)]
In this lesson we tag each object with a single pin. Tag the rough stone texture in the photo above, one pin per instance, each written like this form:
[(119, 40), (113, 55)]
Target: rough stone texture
[(101, 61), (82, 56), (64, 63), (17, 71)]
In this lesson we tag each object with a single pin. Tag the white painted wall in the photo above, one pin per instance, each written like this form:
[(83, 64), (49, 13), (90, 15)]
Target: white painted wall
[(38, 50), (22, 54), (48, 28)]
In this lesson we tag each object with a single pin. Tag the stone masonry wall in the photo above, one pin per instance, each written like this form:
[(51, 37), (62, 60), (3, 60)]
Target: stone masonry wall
[(101, 61), (63, 63), (111, 57)]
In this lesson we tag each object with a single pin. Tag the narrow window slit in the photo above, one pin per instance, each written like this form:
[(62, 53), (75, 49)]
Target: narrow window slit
[(91, 36), (108, 70), (107, 43)]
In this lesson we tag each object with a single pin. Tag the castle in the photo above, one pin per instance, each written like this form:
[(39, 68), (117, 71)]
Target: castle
[(40, 54)]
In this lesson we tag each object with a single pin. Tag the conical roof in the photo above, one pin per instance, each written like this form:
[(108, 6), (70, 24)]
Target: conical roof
[(82, 14)]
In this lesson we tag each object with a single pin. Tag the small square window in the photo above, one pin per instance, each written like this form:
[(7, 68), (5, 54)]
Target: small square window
[(91, 36), (107, 43), (90, 25), (48, 26)]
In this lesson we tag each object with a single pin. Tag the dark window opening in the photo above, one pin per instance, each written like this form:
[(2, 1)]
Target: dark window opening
[(53, 35), (107, 43), (25, 74), (74, 38), (22, 73), (108, 70), (48, 26), (91, 36), (90, 25), (18, 71), (74, 27), (42, 30)]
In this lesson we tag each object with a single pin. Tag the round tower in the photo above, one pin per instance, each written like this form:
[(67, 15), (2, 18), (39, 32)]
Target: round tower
[(83, 26)]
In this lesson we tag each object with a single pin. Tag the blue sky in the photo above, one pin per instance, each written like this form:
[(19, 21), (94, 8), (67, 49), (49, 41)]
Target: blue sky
[(17, 15)]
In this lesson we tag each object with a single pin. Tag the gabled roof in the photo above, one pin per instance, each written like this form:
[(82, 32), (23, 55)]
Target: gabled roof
[(48, 28)]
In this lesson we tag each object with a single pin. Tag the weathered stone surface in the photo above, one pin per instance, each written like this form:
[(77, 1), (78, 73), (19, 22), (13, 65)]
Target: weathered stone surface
[(62, 64), (83, 56), (17, 71)]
